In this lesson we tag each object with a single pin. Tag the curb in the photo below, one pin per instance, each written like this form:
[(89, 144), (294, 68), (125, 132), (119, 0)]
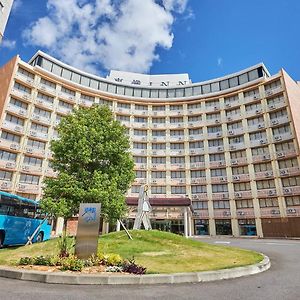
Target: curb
[(64, 278)]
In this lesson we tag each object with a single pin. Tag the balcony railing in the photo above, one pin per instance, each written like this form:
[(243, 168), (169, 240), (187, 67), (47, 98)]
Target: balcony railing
[(13, 127), (31, 169), (17, 110)]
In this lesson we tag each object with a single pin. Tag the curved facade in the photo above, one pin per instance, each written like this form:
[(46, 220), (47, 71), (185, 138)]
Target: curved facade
[(230, 144)]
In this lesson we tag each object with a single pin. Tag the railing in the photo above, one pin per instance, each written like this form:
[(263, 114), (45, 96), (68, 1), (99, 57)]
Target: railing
[(17, 110), (13, 127), (31, 169)]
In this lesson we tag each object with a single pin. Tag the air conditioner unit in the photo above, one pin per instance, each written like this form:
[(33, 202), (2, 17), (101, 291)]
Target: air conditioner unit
[(228, 105), (143, 125), (275, 122), (266, 157), (35, 117), (4, 184), (194, 197), (220, 148), (275, 212), (287, 191), (18, 129), (226, 213), (238, 195), (153, 152), (154, 125), (272, 193), (33, 133), (22, 187), (14, 147), (144, 113), (154, 166), (192, 138), (232, 147), (236, 178), (10, 165), (180, 138), (155, 113), (284, 172), (234, 162), (241, 213), (262, 142), (268, 174), (260, 126), (223, 179), (224, 196), (29, 150), (154, 139), (255, 97), (230, 132), (280, 154), (194, 181), (269, 93), (229, 119), (216, 108), (154, 181), (25, 97), (142, 167), (221, 163), (291, 211), (219, 134), (193, 151), (217, 121), (143, 151), (22, 112), (25, 168), (278, 138)]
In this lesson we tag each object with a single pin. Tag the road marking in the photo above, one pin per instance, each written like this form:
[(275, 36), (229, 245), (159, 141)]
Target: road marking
[(280, 244), (219, 242)]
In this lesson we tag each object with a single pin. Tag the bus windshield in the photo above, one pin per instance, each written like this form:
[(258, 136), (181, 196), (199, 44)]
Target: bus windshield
[(19, 219)]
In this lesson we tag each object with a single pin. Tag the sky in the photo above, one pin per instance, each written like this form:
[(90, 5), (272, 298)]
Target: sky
[(204, 38)]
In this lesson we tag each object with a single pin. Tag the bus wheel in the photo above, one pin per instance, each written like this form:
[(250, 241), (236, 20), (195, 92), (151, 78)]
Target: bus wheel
[(1, 240), (40, 237)]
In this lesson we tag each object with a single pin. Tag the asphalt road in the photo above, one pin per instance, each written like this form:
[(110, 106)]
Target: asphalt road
[(281, 282)]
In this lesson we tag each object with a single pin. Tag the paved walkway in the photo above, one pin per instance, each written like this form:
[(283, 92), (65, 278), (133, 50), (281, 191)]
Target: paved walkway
[(281, 282)]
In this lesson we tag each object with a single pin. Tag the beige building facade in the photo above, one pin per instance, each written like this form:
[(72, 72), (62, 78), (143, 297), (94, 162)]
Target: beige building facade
[(5, 8), (231, 145)]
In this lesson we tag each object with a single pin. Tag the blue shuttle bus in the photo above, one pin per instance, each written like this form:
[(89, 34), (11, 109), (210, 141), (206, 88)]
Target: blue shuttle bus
[(19, 219)]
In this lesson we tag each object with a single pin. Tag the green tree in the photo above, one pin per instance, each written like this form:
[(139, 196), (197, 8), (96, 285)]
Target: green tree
[(94, 165)]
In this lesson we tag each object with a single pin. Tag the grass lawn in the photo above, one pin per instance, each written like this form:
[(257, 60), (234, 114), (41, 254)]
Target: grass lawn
[(159, 252)]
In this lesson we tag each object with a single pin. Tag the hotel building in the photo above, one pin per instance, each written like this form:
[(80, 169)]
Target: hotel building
[(5, 7), (231, 144)]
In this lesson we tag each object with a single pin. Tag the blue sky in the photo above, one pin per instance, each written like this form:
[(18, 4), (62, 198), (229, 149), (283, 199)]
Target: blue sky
[(205, 38)]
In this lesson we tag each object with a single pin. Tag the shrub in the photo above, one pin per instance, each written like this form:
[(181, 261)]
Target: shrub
[(65, 245), (71, 263), (131, 267), (41, 260), (110, 259), (25, 261), (114, 269)]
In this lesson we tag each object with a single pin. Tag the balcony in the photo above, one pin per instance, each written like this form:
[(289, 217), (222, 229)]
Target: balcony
[(176, 152), (38, 134), (179, 138), (261, 158), (47, 89), (158, 181), (123, 111), (266, 193), (138, 138), (31, 169), (212, 121), (237, 131), (158, 152), (201, 180), (245, 213), (213, 135), (199, 196), (50, 172), (28, 188), (138, 125), (13, 127), (270, 212), (293, 211), (155, 139), (68, 97), (44, 103), (86, 103), (35, 151), (274, 91), (279, 121), (158, 167), (158, 125), (176, 125), (21, 95), (252, 98), (292, 190), (264, 175), (175, 167), (178, 181), (232, 104), (289, 171), (142, 152), (160, 113), (277, 105), (41, 119), (220, 196), (282, 137), (240, 177), (255, 127), (216, 164), (238, 161), (6, 164), (64, 110), (194, 123), (141, 113), (9, 145), (260, 142), (25, 79), (198, 165), (216, 149), (219, 179), (254, 112), (175, 113), (222, 213), (5, 185), (242, 195), (210, 109), (236, 146), (201, 213), (17, 110), (196, 137), (233, 117), (286, 154)]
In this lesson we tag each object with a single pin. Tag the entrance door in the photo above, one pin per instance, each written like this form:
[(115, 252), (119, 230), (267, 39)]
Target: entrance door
[(201, 227), (223, 227)]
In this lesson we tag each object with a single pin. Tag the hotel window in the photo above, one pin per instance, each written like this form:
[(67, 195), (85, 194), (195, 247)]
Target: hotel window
[(158, 190), (140, 159), (140, 120), (291, 181), (139, 132), (48, 83), (68, 91), (288, 163), (177, 160), (236, 125), (141, 107), (135, 189), (177, 174), (39, 128), (214, 103), (240, 170), (221, 204), (287, 146), (18, 103), (36, 144), (230, 100), (33, 161), (254, 106), (8, 156), (194, 106), (123, 105), (198, 174), (176, 146), (214, 116), (195, 118), (158, 108), (198, 189), (176, 133), (178, 190), (158, 160), (233, 112), (252, 94), (105, 102), (215, 143), (22, 88), (217, 157), (278, 114), (123, 118), (214, 129), (29, 179), (200, 204), (282, 130), (15, 120), (42, 113), (196, 131), (269, 202), (140, 146), (140, 174), (258, 135), (238, 154), (158, 133), (217, 172), (23, 71), (176, 120), (244, 203), (265, 184), (273, 85), (276, 100), (196, 145), (10, 137), (255, 121), (236, 140), (158, 174), (197, 158), (188, 91), (241, 186), (87, 98), (158, 120), (292, 201), (260, 151), (176, 107), (263, 167), (219, 188), (5, 175), (158, 146), (45, 98), (65, 105)]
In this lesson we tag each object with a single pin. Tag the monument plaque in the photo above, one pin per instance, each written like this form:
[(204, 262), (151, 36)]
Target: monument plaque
[(87, 230)]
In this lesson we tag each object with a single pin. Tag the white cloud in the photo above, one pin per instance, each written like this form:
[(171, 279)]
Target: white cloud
[(16, 5), (9, 44), (220, 61), (109, 34)]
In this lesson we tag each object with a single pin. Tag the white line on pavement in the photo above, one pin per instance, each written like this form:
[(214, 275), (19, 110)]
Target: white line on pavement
[(221, 242), (280, 244)]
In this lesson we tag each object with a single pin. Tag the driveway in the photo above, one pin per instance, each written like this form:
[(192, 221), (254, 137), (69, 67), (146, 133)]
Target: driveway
[(281, 282)]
